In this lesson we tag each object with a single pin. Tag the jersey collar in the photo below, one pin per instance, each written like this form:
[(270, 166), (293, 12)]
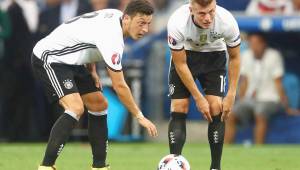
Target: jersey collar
[(196, 23)]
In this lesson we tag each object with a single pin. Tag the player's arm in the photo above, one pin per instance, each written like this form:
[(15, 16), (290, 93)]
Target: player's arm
[(233, 69), (120, 86), (233, 78), (179, 59)]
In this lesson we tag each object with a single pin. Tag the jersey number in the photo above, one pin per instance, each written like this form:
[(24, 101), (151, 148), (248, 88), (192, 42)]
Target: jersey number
[(87, 15), (223, 83)]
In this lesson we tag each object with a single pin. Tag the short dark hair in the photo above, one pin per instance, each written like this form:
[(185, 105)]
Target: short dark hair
[(139, 6), (203, 3)]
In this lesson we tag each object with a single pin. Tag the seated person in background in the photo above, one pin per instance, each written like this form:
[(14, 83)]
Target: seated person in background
[(261, 92)]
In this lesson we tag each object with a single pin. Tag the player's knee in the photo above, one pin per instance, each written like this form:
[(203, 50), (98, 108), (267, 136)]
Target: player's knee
[(78, 109), (98, 105), (75, 107), (72, 103), (181, 107), (215, 108)]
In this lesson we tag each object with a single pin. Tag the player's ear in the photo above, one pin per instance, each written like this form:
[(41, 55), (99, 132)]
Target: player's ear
[(126, 18)]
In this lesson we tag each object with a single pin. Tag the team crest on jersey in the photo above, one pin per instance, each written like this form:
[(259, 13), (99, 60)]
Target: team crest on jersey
[(171, 89), (68, 84), (116, 59), (203, 38), (172, 41), (215, 35)]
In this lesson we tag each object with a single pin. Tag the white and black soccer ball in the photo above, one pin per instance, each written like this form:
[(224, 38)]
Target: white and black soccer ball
[(173, 162)]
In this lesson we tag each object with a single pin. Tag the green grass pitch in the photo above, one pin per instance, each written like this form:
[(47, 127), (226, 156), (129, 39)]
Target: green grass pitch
[(145, 156)]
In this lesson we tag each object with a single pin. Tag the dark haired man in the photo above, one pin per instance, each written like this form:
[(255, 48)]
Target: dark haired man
[(64, 62), (199, 33)]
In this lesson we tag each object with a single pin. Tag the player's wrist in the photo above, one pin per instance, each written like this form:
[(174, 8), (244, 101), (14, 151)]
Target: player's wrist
[(198, 97), (140, 115)]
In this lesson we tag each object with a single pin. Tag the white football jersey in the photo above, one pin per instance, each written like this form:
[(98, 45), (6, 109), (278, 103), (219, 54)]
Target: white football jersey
[(184, 33), (88, 38)]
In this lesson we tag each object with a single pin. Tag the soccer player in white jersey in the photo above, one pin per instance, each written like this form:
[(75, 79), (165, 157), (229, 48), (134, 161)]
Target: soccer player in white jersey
[(65, 62), (199, 33)]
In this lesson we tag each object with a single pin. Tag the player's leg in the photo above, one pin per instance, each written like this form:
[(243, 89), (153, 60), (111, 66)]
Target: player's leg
[(216, 128), (97, 126), (177, 125), (213, 84), (96, 105), (59, 85), (216, 131), (179, 109), (62, 128)]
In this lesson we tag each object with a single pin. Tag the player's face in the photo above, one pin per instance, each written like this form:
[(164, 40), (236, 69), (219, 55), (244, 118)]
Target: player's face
[(138, 25), (203, 16)]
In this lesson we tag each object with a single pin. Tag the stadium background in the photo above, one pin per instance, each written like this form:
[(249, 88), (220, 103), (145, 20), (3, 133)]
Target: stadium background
[(25, 116)]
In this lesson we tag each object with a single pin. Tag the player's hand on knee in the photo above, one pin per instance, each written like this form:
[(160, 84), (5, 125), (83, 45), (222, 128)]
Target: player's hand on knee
[(227, 105), (151, 128), (203, 107)]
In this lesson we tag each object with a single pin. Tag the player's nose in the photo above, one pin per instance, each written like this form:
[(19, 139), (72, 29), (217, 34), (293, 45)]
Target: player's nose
[(145, 29)]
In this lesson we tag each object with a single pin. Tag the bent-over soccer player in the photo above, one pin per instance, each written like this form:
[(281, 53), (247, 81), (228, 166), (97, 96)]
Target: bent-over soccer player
[(199, 33), (65, 62)]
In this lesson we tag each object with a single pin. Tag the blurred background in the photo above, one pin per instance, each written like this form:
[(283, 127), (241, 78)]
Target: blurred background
[(25, 114)]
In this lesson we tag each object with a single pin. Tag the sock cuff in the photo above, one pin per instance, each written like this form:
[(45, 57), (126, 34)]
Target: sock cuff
[(72, 114), (102, 113), (178, 115), (217, 118)]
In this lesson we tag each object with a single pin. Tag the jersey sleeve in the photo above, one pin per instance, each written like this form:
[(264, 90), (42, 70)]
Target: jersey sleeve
[(111, 47), (232, 32), (175, 36)]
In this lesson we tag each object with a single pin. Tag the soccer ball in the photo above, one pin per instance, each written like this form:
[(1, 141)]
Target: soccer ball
[(173, 162)]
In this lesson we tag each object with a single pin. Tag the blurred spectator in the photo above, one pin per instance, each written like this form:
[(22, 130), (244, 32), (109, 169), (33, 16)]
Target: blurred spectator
[(163, 10), (56, 13), (269, 7), (5, 31), (44, 4), (122, 4), (296, 7), (17, 87), (261, 91), (156, 58), (99, 4)]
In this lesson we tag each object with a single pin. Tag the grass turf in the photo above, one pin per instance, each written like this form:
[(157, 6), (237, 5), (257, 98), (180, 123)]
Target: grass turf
[(145, 156)]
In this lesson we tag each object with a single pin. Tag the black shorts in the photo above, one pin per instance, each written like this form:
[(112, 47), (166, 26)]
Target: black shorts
[(207, 67), (61, 79)]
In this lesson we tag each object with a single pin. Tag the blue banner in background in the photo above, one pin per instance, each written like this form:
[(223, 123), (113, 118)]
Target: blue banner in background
[(269, 23)]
